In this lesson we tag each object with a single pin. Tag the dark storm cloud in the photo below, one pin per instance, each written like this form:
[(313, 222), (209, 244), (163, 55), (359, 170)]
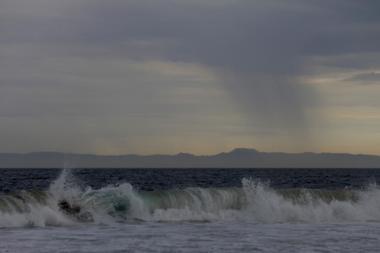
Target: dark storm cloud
[(239, 35), (260, 49)]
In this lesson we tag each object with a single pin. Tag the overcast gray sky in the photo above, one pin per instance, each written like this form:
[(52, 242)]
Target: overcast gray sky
[(168, 76)]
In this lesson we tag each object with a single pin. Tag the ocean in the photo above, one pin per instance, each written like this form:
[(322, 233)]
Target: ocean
[(189, 210)]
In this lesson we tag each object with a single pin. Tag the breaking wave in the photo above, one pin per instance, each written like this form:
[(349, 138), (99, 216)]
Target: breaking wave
[(65, 204)]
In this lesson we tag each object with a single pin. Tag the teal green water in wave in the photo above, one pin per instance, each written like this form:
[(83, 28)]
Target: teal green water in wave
[(66, 203), (190, 213)]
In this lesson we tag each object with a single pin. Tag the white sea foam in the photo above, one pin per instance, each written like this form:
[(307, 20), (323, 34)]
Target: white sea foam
[(254, 202)]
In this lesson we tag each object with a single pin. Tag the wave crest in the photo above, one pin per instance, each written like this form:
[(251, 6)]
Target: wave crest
[(65, 203)]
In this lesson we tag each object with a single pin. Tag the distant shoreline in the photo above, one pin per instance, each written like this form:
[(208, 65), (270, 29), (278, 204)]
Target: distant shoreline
[(240, 158)]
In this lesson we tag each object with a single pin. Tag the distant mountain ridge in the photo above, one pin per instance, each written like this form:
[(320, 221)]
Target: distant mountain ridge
[(237, 158)]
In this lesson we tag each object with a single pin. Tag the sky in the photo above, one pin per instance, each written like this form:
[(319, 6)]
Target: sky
[(169, 76)]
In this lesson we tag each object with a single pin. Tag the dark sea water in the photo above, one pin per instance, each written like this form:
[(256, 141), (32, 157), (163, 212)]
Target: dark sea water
[(160, 179), (189, 210)]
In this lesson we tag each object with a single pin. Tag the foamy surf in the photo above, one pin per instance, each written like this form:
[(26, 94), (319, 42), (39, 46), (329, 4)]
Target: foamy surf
[(254, 201)]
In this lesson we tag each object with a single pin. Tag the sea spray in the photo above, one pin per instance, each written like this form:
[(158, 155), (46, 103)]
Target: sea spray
[(254, 201)]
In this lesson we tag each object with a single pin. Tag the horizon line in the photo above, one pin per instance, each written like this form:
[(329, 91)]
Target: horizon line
[(186, 153)]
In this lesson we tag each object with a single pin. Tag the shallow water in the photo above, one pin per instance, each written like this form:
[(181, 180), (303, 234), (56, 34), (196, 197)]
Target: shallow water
[(190, 211), (195, 237)]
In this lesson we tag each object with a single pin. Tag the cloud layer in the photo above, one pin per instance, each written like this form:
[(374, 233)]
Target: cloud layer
[(164, 75)]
